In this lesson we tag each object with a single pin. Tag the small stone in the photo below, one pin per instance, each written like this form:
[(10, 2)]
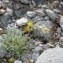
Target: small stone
[(21, 21), (24, 1), (56, 11), (2, 11), (35, 56), (9, 11), (51, 14), (61, 41), (40, 12), (31, 14), (38, 18), (17, 61), (38, 49), (1, 31), (5, 19), (61, 22)]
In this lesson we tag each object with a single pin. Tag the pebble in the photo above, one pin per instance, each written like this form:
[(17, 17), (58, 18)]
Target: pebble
[(2, 11), (61, 22), (17, 61), (21, 21), (9, 11), (24, 1), (31, 14), (51, 14), (40, 12), (1, 31)]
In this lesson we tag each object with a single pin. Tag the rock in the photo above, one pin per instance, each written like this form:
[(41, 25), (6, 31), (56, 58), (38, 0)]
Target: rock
[(40, 12), (31, 14), (26, 56), (61, 22), (17, 61), (1, 31), (24, 1), (5, 19), (38, 49), (9, 11), (38, 18), (56, 11), (51, 14), (17, 6), (54, 55), (2, 51), (45, 6), (42, 29), (2, 11), (46, 18), (61, 41), (18, 13), (21, 21), (35, 56)]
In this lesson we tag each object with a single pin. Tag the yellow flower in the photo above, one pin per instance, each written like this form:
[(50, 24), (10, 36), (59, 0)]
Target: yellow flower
[(11, 60), (28, 27), (45, 30)]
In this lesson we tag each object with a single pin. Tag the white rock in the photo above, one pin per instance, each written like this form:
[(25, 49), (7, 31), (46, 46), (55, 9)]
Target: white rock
[(2, 11), (17, 61), (9, 11), (24, 1), (40, 12), (61, 22), (51, 14), (61, 41), (56, 10), (54, 55), (31, 14), (21, 21), (1, 30)]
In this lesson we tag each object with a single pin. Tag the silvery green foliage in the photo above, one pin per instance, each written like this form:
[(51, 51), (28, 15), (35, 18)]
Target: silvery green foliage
[(2, 50), (15, 42)]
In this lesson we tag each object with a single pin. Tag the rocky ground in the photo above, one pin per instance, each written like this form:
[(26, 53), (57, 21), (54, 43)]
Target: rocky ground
[(31, 31)]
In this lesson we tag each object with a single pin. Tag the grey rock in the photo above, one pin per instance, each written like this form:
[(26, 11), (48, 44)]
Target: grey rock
[(42, 29), (35, 56), (61, 41), (31, 14), (40, 12), (54, 55), (38, 18), (4, 19), (9, 11), (56, 11), (26, 56), (51, 14), (38, 49), (24, 1), (18, 13), (61, 22)]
